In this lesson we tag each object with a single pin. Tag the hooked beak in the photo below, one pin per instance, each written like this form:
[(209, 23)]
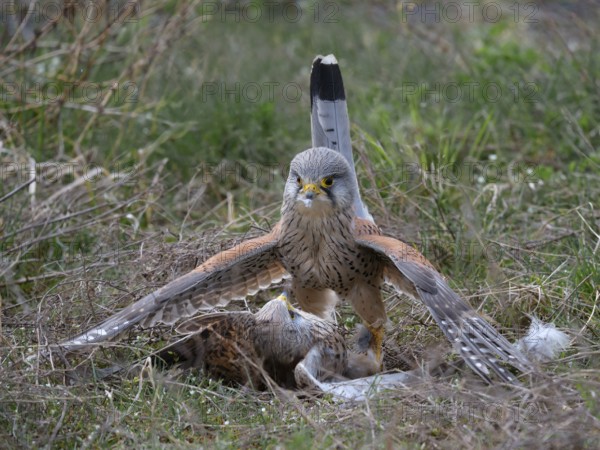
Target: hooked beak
[(284, 298), (309, 191)]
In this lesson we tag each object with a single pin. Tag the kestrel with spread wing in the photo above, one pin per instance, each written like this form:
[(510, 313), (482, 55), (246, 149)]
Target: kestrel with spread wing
[(330, 249)]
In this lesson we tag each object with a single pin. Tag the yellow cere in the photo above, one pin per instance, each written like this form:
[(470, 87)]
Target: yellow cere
[(311, 187)]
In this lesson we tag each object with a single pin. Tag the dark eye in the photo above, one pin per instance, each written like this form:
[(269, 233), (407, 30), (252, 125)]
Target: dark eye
[(327, 182), (299, 181), (292, 314)]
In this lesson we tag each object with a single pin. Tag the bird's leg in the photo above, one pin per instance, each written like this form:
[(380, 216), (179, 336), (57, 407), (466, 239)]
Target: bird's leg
[(370, 347), (376, 343), (321, 303), (368, 304)]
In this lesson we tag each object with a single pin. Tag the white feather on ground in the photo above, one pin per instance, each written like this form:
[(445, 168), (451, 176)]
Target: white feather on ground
[(543, 341)]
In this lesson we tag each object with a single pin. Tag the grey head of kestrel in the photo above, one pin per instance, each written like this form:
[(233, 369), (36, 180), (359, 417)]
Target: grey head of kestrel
[(319, 184)]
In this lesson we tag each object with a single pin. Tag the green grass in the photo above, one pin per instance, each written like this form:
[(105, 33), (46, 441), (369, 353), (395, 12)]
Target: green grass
[(499, 191)]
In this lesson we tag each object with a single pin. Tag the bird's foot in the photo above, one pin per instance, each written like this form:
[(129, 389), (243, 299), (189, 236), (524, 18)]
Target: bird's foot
[(369, 346), (376, 343)]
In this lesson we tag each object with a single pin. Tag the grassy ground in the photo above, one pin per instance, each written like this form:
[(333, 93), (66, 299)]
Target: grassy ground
[(160, 136)]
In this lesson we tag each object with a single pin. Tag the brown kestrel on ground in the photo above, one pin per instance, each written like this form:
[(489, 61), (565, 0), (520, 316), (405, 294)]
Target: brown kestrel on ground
[(289, 346), (330, 249)]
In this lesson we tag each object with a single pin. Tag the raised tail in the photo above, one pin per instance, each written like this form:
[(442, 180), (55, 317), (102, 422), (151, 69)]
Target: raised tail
[(330, 125)]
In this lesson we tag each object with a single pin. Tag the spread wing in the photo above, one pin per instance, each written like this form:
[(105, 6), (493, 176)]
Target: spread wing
[(232, 274), (479, 344)]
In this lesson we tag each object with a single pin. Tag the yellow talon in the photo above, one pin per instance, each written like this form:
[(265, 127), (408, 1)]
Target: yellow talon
[(376, 344)]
